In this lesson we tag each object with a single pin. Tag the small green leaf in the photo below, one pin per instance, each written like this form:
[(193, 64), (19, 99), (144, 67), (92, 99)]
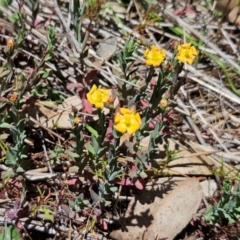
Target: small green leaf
[(11, 233), (115, 134), (8, 126), (113, 189), (114, 175), (95, 144), (5, 3), (92, 131), (73, 169), (8, 174), (101, 151), (72, 154), (48, 57), (94, 196), (90, 148), (10, 159), (74, 59), (20, 170), (48, 214), (143, 174)]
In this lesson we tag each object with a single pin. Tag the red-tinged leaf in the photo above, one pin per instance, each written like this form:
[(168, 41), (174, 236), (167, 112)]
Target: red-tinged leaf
[(19, 225), (16, 183), (90, 76), (125, 182), (73, 181), (23, 212), (109, 135), (87, 106), (97, 212), (38, 24), (104, 224), (144, 103), (151, 125), (81, 93), (133, 168), (31, 71), (12, 214), (140, 184)]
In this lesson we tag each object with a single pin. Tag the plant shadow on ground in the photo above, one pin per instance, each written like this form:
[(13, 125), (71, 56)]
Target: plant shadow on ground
[(154, 192)]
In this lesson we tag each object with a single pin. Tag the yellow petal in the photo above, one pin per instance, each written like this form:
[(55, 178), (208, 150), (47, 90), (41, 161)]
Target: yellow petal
[(190, 60), (117, 118), (105, 98), (120, 127), (154, 48), (89, 98), (133, 128), (104, 91), (126, 111), (146, 52), (90, 93), (99, 104), (194, 50), (138, 118), (185, 46), (93, 89)]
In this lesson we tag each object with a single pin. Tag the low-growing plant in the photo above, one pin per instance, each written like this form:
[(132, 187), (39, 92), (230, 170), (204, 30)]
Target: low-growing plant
[(112, 153), (227, 208)]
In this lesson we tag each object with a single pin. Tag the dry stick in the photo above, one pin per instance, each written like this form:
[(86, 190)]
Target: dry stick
[(44, 148), (224, 111), (191, 123), (47, 129), (204, 121), (234, 48), (218, 89), (71, 36), (94, 206), (195, 26), (218, 155)]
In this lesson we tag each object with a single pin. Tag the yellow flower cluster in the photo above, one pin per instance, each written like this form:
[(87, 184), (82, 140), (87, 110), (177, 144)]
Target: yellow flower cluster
[(154, 56), (186, 53), (127, 121), (98, 96)]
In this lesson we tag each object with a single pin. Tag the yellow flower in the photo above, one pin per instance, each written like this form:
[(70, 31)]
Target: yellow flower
[(186, 53), (163, 103), (10, 43), (76, 120), (98, 96), (13, 97), (154, 56), (127, 121)]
